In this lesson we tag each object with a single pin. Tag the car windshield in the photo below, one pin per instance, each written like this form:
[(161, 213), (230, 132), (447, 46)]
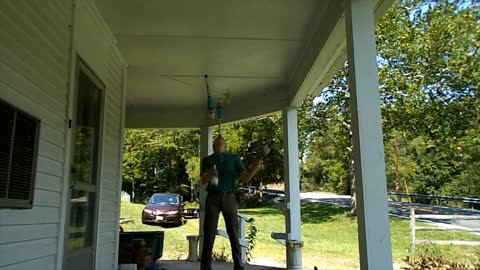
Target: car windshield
[(164, 199)]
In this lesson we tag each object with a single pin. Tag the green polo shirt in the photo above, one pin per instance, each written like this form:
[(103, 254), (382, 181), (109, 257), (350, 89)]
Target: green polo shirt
[(228, 166)]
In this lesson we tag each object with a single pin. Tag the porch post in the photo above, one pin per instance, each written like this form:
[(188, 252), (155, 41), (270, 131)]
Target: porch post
[(372, 208), (206, 149), (292, 189)]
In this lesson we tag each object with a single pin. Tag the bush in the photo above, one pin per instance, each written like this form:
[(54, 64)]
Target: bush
[(247, 200), (251, 239), (222, 256), (309, 185), (430, 263), (194, 204)]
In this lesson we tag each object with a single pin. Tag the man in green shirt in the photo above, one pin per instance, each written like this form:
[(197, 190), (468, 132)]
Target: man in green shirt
[(218, 172)]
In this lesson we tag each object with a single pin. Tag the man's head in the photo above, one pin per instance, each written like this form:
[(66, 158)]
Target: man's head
[(219, 144)]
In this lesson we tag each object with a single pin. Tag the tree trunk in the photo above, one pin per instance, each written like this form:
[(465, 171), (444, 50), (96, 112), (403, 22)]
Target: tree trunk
[(351, 174), (353, 209), (396, 179), (261, 189), (132, 197), (192, 191)]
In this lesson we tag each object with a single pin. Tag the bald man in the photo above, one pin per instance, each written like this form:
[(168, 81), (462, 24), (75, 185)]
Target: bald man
[(227, 167)]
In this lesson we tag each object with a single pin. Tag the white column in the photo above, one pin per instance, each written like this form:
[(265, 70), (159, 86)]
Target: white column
[(206, 149), (242, 226), (373, 220), (292, 184)]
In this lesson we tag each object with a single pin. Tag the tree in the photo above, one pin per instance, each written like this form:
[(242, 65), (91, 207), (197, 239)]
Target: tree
[(156, 161), (244, 138), (429, 67), (429, 73), (329, 155)]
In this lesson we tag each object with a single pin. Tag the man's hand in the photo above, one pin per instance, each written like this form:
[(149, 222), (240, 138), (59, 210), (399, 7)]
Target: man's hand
[(248, 175), (257, 163), (207, 175)]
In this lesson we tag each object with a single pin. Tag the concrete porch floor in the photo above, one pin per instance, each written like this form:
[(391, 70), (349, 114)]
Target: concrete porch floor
[(186, 265)]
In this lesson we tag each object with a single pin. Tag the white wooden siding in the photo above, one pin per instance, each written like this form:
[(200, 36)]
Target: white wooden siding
[(49, 166), (106, 62), (52, 135), (105, 253), (32, 106), (35, 65), (34, 248), (39, 263), (37, 215), (48, 182), (28, 232), (34, 41)]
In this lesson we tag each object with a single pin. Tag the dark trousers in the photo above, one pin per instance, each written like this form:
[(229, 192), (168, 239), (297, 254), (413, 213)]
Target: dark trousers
[(214, 204)]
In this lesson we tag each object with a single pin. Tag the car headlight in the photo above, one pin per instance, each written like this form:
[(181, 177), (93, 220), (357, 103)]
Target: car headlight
[(172, 212), (148, 211)]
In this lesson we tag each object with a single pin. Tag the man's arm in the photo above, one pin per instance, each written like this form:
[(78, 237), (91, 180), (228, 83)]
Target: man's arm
[(246, 176), (206, 176), (206, 173)]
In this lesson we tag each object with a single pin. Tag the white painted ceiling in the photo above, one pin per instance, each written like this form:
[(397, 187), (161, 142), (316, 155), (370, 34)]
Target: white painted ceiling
[(249, 48)]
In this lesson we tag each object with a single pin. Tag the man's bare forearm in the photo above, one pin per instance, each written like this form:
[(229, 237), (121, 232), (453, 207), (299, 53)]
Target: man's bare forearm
[(248, 175)]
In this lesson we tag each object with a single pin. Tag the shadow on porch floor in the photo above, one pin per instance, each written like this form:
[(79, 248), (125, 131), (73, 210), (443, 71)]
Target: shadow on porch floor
[(186, 265)]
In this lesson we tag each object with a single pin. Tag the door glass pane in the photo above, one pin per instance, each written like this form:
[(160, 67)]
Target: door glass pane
[(82, 209), (87, 127)]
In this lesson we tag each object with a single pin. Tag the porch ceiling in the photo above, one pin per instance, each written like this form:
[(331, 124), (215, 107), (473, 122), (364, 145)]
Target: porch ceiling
[(265, 54)]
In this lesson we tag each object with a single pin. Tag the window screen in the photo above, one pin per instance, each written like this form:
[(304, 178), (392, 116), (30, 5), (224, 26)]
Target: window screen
[(18, 154)]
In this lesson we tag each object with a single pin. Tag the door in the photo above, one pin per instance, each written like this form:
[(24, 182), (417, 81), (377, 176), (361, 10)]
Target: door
[(84, 180)]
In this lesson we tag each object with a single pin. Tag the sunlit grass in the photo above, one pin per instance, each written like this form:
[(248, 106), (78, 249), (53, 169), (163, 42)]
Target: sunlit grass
[(329, 233)]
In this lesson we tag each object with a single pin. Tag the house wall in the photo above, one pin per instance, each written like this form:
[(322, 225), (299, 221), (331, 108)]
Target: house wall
[(39, 41), (34, 57)]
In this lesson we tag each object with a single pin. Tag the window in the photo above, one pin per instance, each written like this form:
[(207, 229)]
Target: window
[(164, 199), (18, 154)]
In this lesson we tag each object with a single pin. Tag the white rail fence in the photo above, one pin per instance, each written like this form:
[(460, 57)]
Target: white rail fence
[(414, 228)]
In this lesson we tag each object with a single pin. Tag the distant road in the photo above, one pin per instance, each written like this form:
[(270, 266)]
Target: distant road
[(402, 209)]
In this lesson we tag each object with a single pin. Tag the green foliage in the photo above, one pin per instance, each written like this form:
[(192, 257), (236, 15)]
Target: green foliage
[(159, 161), (327, 230), (194, 204), (266, 129), (326, 167), (434, 263), (430, 81), (84, 155), (222, 255), (251, 239), (429, 73)]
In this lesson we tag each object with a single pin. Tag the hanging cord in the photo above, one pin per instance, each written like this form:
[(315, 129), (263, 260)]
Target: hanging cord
[(220, 114), (210, 101), (214, 111), (220, 127)]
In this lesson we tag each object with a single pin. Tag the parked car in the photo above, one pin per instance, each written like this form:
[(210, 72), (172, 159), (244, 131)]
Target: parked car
[(191, 213), (163, 208)]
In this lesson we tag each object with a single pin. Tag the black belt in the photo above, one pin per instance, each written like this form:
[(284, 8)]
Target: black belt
[(222, 193)]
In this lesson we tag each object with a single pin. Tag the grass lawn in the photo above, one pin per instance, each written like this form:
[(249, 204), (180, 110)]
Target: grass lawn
[(329, 233)]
